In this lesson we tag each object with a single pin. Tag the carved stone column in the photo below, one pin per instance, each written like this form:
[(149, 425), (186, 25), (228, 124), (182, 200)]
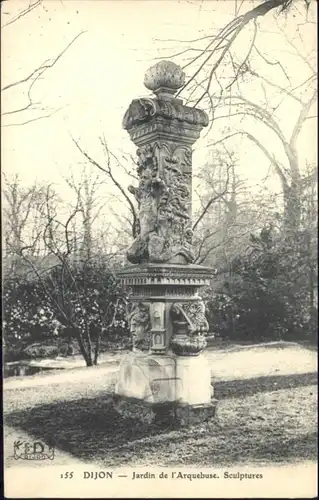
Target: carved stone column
[(167, 315)]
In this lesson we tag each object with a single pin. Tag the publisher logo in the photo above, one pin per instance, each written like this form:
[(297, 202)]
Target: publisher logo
[(36, 450)]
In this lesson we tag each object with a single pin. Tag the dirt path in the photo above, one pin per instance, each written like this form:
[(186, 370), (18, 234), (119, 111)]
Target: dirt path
[(59, 376), (241, 362), (78, 384), (261, 360)]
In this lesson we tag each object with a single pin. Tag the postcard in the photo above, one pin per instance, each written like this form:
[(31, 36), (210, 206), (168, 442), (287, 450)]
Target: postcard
[(160, 275)]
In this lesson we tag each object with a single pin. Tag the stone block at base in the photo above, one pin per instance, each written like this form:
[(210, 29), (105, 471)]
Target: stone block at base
[(184, 415), (147, 378), (164, 414), (159, 379), (165, 389)]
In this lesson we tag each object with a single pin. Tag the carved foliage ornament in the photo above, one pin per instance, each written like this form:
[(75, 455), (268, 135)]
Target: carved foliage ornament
[(189, 328), (164, 201), (144, 110), (193, 313)]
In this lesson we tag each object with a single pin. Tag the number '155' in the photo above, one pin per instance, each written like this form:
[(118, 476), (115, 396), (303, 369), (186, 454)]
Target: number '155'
[(67, 475)]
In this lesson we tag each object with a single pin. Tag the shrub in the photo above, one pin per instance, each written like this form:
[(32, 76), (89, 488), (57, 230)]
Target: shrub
[(264, 296), (87, 302)]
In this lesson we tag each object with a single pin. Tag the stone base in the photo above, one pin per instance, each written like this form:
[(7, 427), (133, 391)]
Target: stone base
[(165, 390), (158, 379), (184, 415), (164, 414)]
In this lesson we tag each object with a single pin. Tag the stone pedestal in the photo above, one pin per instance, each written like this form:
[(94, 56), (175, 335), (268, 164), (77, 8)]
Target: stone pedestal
[(161, 379), (165, 378), (193, 380), (149, 378), (166, 389)]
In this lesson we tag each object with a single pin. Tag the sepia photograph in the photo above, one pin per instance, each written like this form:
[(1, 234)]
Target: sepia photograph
[(159, 248)]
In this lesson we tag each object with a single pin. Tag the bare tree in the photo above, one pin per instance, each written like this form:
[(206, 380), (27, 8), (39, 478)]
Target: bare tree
[(129, 203), (268, 115), (229, 212), (222, 76), (21, 219), (67, 288), (41, 242), (90, 203)]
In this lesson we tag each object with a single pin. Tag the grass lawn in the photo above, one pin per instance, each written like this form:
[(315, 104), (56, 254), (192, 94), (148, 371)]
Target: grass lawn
[(267, 418)]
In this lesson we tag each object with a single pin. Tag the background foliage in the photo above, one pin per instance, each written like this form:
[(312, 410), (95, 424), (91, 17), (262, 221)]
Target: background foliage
[(42, 319), (265, 293)]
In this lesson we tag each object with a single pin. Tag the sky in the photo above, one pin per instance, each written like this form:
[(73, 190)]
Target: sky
[(94, 82)]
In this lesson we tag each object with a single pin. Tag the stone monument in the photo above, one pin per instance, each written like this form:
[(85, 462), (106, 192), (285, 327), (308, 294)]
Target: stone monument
[(165, 374)]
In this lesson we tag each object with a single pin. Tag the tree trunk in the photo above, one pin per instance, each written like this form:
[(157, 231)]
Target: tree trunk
[(97, 347), (292, 209), (87, 355), (230, 312), (89, 347)]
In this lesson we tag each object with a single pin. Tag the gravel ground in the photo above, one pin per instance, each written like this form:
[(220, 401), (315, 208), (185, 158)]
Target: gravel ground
[(267, 413), (228, 363)]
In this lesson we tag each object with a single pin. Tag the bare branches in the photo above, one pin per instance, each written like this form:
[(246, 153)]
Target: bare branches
[(31, 79), (289, 92), (219, 40), (228, 35), (252, 138), (203, 241), (305, 58), (266, 113), (32, 5), (243, 65), (258, 112), (221, 46), (18, 210), (109, 172), (89, 204), (26, 122), (47, 64), (216, 65), (71, 288), (212, 200), (238, 7), (271, 63), (301, 119), (250, 108)]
